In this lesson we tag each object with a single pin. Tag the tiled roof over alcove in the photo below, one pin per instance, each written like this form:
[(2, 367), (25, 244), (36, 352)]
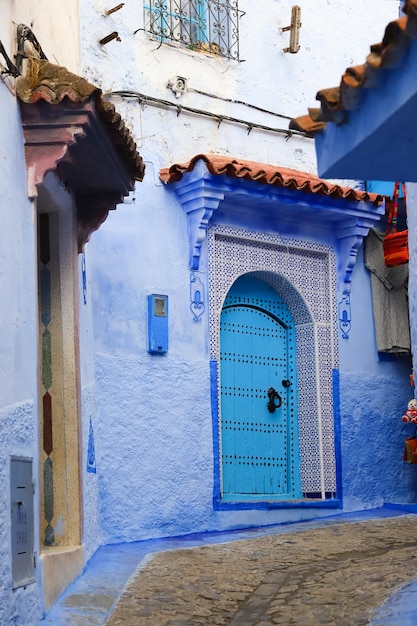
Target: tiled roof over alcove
[(71, 129), (214, 186)]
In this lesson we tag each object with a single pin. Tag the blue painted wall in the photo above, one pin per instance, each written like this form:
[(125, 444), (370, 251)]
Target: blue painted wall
[(154, 434), (91, 530), (373, 396)]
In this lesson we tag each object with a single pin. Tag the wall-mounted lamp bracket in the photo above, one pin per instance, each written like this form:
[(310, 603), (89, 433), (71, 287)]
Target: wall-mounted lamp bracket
[(11, 67), (294, 29), (24, 33)]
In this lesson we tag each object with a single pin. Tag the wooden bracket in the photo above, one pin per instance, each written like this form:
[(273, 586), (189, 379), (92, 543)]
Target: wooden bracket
[(294, 29)]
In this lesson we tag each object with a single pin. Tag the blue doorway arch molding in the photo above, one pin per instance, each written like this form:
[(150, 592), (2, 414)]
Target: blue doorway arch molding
[(258, 391)]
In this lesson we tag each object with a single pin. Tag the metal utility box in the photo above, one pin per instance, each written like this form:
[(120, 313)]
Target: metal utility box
[(157, 324), (22, 529)]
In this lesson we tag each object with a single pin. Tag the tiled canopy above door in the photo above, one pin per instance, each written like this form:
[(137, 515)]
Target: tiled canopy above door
[(211, 186), (69, 128)]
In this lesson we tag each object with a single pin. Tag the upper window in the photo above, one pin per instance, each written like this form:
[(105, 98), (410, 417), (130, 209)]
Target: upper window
[(208, 25)]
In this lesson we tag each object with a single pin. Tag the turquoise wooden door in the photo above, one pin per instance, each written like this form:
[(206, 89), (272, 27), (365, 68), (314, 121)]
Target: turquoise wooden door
[(259, 436)]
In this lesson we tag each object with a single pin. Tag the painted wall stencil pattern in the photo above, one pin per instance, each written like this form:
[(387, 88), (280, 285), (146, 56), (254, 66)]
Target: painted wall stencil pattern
[(91, 453)]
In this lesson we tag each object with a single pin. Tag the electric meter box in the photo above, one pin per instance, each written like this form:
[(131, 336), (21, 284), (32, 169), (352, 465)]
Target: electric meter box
[(22, 521), (157, 324)]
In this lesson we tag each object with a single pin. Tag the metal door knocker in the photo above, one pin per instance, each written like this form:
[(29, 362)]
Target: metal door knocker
[(273, 395)]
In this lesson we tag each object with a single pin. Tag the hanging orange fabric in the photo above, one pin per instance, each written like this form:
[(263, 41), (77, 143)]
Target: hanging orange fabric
[(395, 243), (410, 450)]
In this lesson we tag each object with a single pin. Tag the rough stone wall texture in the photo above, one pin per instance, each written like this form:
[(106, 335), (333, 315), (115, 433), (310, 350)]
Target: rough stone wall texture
[(156, 465), (22, 605), (373, 442)]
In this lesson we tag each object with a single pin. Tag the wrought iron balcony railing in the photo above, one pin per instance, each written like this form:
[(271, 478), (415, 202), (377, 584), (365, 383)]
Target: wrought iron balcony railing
[(207, 25)]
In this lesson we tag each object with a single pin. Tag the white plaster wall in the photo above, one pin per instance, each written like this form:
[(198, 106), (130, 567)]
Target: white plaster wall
[(333, 36), (55, 25), (18, 347), (154, 432)]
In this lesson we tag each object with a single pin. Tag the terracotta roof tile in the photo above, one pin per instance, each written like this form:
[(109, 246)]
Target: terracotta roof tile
[(53, 83), (268, 175), (388, 53)]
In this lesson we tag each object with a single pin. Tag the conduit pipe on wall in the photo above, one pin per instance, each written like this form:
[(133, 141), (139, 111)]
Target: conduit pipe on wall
[(166, 104)]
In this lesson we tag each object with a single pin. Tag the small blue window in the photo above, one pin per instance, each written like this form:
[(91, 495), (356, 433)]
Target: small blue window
[(205, 25)]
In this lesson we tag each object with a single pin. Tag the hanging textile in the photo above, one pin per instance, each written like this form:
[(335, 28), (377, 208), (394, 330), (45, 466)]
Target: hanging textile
[(395, 243), (410, 450), (389, 298)]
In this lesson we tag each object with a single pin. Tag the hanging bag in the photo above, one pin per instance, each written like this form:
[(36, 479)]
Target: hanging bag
[(410, 450), (395, 243)]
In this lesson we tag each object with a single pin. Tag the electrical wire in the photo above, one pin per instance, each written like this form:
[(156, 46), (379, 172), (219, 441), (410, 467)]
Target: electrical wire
[(246, 104), (167, 104)]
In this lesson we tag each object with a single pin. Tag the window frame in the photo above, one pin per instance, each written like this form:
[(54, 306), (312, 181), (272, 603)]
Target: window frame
[(202, 25)]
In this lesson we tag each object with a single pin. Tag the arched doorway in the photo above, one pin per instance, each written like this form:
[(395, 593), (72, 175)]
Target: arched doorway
[(258, 377)]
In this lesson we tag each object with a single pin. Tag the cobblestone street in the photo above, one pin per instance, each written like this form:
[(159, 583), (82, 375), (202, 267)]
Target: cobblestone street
[(336, 575), (344, 570)]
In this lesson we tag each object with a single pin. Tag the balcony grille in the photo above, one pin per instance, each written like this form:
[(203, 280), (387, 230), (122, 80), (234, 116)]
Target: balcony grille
[(206, 25)]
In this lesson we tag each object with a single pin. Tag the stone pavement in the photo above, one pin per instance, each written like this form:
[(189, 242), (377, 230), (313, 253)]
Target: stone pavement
[(342, 571)]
